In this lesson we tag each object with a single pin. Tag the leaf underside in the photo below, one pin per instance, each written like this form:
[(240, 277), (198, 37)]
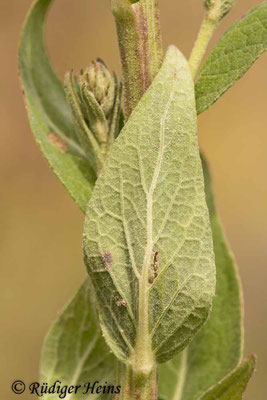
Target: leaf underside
[(213, 353), (217, 349), (49, 114), (234, 54), (147, 238), (74, 351)]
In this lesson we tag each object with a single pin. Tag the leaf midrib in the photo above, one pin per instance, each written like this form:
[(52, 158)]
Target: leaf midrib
[(143, 324)]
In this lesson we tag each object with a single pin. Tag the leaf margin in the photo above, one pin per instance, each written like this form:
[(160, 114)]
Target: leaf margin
[(219, 50), (80, 185)]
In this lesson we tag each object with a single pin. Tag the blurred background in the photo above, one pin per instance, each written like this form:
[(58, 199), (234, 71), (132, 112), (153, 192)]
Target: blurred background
[(41, 228)]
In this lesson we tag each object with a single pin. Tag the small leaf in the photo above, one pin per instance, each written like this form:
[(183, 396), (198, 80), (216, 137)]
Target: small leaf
[(234, 385), (147, 238), (49, 114), (74, 350), (86, 137), (234, 54), (217, 349)]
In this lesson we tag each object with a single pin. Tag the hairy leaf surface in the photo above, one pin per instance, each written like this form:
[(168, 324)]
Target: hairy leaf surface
[(74, 351), (234, 54), (49, 114), (147, 238), (217, 349), (234, 385)]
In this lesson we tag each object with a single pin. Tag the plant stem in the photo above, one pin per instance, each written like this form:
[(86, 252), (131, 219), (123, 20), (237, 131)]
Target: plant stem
[(153, 41), (141, 58), (208, 26), (139, 385), (143, 45), (140, 46), (130, 52), (119, 376)]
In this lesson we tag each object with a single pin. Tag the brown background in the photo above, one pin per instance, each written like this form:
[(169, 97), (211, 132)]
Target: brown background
[(41, 257)]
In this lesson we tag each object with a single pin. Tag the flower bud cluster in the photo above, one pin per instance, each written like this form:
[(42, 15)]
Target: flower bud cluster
[(94, 97), (100, 83)]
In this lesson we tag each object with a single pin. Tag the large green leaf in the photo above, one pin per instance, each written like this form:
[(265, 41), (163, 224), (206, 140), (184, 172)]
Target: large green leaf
[(234, 54), (147, 238), (217, 349), (74, 351), (234, 385), (49, 114)]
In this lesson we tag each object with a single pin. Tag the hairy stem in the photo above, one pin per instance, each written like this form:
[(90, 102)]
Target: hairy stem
[(205, 34), (139, 384), (153, 40), (210, 22), (131, 53), (140, 46)]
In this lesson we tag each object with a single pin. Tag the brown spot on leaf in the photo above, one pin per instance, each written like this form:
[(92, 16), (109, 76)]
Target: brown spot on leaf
[(58, 141), (154, 267), (120, 302), (107, 259)]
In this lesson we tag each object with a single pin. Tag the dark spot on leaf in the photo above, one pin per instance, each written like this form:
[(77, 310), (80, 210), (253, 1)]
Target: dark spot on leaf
[(120, 302), (107, 259), (59, 142), (154, 267)]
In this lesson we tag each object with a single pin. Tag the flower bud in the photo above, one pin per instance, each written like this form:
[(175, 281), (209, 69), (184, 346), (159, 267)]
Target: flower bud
[(97, 80), (94, 97), (219, 8)]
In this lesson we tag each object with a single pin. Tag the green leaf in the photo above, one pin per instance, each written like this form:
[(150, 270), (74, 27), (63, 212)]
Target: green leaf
[(49, 114), (234, 54), (234, 385), (74, 350), (218, 347), (147, 238)]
